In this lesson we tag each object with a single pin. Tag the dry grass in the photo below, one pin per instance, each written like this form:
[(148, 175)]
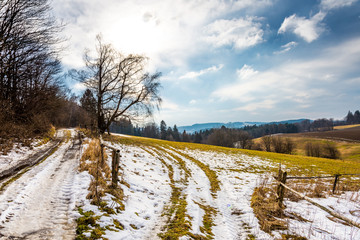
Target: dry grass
[(313, 188), (11, 134), (48, 136), (100, 185), (346, 126), (349, 151), (101, 173), (266, 208)]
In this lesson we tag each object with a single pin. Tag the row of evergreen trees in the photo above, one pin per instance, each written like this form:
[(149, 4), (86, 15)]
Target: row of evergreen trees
[(353, 118), (230, 137)]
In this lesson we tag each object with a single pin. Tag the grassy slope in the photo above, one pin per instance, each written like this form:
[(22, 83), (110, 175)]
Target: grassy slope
[(349, 149), (346, 126), (296, 164)]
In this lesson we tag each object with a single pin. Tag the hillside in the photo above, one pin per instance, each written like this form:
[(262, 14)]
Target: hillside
[(170, 190), (210, 190), (346, 139), (205, 126), (343, 134)]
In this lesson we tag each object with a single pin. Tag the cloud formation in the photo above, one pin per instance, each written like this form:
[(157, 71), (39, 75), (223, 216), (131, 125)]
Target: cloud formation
[(287, 47), (308, 29), (300, 82), (333, 4), (240, 33), (191, 75), (165, 31)]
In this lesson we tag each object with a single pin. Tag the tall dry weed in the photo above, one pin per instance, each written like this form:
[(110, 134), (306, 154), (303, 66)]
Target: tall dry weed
[(91, 161)]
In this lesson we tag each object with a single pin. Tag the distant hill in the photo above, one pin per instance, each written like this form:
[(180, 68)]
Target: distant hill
[(204, 126)]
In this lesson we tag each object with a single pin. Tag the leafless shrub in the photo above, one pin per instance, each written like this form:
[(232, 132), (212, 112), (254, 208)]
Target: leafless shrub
[(267, 143), (256, 146), (289, 146), (244, 140), (278, 144), (312, 149), (327, 150), (330, 151)]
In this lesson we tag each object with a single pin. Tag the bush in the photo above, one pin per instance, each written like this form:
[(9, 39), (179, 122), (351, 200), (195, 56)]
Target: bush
[(278, 144), (330, 151), (267, 143), (289, 146), (312, 149), (326, 150)]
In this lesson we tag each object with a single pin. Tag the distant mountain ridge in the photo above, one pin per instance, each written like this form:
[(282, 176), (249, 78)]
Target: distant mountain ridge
[(204, 126)]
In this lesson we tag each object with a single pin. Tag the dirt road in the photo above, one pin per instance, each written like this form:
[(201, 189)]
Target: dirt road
[(41, 203)]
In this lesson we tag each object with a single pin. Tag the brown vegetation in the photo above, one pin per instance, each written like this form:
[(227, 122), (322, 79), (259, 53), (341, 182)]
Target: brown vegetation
[(266, 208), (99, 170), (324, 150), (31, 94), (346, 134)]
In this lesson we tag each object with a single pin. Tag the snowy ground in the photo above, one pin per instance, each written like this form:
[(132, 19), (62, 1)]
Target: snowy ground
[(21, 153), (320, 225), (239, 175), (42, 203)]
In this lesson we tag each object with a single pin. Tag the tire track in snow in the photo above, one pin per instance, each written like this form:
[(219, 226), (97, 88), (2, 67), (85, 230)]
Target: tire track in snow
[(145, 182), (235, 219), (39, 205), (178, 221), (198, 192)]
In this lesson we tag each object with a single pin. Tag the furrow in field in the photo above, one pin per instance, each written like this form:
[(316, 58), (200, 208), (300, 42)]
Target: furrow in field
[(212, 192), (235, 218), (199, 196), (178, 221), (145, 182)]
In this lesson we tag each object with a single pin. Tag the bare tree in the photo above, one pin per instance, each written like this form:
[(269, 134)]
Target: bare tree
[(267, 142), (121, 86), (28, 60), (244, 140)]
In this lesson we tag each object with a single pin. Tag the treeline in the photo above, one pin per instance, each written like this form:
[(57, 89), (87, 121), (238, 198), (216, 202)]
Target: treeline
[(31, 93), (242, 138), (224, 136), (353, 118)]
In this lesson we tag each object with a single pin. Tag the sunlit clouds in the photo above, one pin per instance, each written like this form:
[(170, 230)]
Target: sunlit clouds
[(308, 29), (230, 60)]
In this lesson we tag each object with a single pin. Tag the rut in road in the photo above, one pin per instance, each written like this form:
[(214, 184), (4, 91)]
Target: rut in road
[(40, 204)]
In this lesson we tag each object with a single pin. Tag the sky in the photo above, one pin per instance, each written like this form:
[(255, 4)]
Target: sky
[(228, 60)]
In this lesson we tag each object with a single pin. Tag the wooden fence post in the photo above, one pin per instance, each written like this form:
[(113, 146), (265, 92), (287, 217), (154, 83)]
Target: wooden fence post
[(335, 182), (281, 189), (115, 168), (102, 154)]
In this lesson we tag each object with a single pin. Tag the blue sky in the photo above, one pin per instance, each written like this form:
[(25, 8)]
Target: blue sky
[(227, 61)]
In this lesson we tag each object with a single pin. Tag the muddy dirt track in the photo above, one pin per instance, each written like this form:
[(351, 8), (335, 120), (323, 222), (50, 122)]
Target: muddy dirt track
[(40, 204)]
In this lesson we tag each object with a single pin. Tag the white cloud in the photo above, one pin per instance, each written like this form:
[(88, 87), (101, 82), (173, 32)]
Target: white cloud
[(166, 31), (79, 87), (252, 107), (192, 102), (333, 4), (190, 75), (308, 29), (169, 105), (287, 47), (240, 33), (300, 82)]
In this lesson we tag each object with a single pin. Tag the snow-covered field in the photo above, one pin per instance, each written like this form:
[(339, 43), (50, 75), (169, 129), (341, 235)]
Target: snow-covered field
[(159, 181), (146, 168), (41, 203)]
